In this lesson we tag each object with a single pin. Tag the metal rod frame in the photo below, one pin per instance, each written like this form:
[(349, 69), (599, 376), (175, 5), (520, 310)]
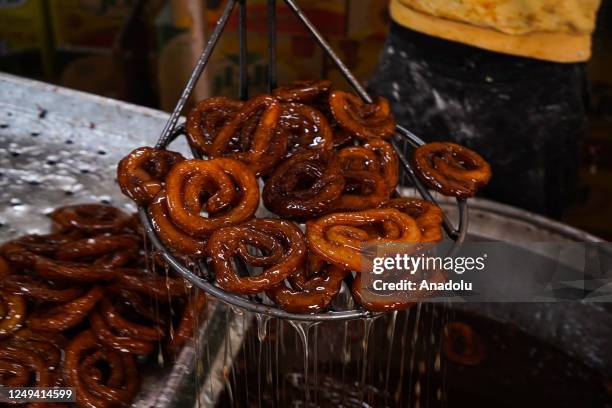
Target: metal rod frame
[(172, 130)]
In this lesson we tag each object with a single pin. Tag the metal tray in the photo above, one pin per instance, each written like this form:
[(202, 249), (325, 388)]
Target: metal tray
[(59, 147)]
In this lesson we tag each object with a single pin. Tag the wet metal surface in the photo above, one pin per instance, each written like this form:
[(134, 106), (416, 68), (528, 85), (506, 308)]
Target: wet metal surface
[(60, 147)]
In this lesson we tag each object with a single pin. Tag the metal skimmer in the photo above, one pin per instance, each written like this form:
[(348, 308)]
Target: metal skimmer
[(173, 129)]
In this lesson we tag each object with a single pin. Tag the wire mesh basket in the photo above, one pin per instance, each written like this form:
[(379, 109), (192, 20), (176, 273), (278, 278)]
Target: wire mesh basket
[(204, 279)]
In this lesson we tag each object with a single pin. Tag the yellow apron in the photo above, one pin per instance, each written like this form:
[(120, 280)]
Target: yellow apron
[(552, 30)]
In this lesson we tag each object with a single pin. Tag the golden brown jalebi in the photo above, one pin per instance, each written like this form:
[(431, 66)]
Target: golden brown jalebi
[(87, 281), (98, 246), (141, 173), (362, 120), (144, 282), (451, 169), (306, 129), (302, 91), (427, 215), (252, 135), (66, 315), (312, 288), (340, 238), (37, 288), (21, 362), (20, 367), (206, 120), (462, 345), (114, 330), (375, 301), (74, 271), (5, 268), (234, 192), (48, 345), (90, 218), (93, 388), (305, 186), (173, 237), (282, 246), (12, 313), (371, 174), (34, 253)]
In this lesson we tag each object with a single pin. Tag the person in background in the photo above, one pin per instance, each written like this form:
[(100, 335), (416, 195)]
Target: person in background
[(503, 77)]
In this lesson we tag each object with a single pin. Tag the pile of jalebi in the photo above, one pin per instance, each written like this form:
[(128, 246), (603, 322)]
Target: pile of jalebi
[(79, 305), (324, 159)]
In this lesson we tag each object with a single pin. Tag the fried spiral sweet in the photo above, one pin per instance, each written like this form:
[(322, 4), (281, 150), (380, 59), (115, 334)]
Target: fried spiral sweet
[(48, 345), (302, 91), (24, 251), (88, 276), (363, 190), (339, 238), (173, 237), (306, 129), (144, 282), (33, 358), (12, 312), (113, 329), (462, 345), (282, 246), (66, 315), (36, 288), (292, 139), (21, 250), (251, 136), (304, 186), (97, 256), (20, 367), (90, 218), (94, 388), (141, 173), (387, 163), (451, 169), (228, 183), (99, 246), (75, 271), (206, 120), (312, 288), (371, 173), (377, 302), (363, 120), (135, 304), (427, 215)]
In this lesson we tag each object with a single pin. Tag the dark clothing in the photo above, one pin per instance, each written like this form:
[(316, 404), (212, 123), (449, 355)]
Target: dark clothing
[(525, 116)]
